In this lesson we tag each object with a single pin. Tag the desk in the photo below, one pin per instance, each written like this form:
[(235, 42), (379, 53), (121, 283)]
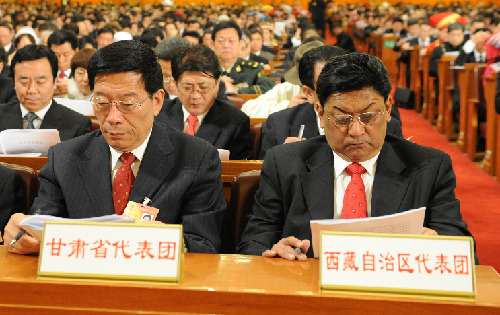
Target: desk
[(220, 284)]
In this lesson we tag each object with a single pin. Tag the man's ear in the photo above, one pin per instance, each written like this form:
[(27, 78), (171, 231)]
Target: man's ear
[(309, 93), (157, 99), (388, 107), (321, 113)]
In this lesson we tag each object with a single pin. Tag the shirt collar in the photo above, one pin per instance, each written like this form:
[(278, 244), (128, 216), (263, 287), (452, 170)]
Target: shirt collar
[(67, 72), (41, 113), (138, 152), (186, 115), (340, 164)]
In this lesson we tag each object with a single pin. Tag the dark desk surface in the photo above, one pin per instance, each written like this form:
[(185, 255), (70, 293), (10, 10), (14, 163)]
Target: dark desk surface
[(223, 284)]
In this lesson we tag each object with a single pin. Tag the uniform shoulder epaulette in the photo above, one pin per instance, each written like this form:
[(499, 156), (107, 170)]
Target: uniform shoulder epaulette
[(250, 64)]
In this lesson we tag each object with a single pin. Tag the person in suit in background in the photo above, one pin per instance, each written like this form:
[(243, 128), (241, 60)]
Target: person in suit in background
[(11, 195), (7, 91), (34, 69), (64, 44), (344, 40), (198, 112), (283, 126), (307, 180), (131, 157)]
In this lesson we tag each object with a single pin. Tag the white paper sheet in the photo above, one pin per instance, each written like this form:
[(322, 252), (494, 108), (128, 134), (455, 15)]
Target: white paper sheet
[(408, 222), (16, 141), (34, 224)]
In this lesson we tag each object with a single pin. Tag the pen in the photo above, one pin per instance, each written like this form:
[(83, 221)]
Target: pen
[(297, 250), (22, 231), (301, 131)]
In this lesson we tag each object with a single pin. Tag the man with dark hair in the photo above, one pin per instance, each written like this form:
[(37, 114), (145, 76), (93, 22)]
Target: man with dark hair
[(167, 50), (344, 40), (239, 76), (7, 37), (34, 68), (192, 37), (7, 91), (307, 180), (256, 42), (197, 111), (283, 126), (454, 43), (131, 157), (64, 44), (171, 29), (104, 37)]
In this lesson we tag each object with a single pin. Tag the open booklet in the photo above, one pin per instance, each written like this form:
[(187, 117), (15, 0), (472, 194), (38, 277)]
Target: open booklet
[(17, 141), (408, 222), (34, 224)]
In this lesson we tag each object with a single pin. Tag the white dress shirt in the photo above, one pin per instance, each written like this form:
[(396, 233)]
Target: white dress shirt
[(38, 121), (116, 163)]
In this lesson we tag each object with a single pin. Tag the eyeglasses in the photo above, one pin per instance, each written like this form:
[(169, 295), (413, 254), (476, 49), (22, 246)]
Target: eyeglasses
[(103, 105), (167, 79), (203, 88), (346, 120)]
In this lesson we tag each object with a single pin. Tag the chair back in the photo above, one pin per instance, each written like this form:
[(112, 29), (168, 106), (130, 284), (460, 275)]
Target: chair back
[(256, 138), (243, 189), (30, 183)]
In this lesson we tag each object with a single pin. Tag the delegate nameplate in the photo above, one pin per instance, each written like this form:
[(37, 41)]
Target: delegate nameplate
[(397, 264), (118, 251)]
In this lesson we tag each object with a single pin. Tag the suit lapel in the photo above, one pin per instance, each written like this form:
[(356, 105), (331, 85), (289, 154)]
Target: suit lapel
[(209, 129), (52, 117), (389, 185), (306, 117), (95, 170), (156, 164), (318, 183), (175, 116)]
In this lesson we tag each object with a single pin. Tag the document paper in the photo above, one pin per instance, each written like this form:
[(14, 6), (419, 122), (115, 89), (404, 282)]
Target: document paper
[(34, 224), (408, 222)]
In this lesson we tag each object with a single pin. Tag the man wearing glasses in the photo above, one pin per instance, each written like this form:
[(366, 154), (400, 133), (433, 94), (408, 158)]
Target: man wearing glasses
[(315, 179), (131, 157), (197, 110)]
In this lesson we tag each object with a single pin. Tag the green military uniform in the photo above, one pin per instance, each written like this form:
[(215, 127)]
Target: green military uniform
[(249, 77)]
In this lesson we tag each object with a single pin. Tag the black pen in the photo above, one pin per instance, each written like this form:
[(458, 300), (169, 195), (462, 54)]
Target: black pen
[(22, 231)]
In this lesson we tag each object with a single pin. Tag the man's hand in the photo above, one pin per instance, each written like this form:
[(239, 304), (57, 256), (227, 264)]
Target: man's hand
[(287, 248), (293, 139), (228, 82), (427, 231), (26, 244), (297, 99)]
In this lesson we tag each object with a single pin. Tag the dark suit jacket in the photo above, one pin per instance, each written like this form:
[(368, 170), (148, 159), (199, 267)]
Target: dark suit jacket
[(179, 173), (7, 91), (286, 123), (224, 126), (11, 195), (259, 59), (69, 123), (297, 185), (464, 58)]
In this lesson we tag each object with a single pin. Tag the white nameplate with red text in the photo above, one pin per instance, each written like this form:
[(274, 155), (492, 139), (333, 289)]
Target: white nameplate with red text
[(117, 251), (397, 264)]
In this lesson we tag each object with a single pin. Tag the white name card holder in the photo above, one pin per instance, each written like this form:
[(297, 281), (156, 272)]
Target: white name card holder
[(113, 251), (394, 264)]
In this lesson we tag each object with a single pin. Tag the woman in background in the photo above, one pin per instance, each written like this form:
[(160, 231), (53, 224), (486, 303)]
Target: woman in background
[(78, 87)]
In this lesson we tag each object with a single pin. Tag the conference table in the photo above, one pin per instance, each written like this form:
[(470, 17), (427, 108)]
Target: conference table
[(220, 284)]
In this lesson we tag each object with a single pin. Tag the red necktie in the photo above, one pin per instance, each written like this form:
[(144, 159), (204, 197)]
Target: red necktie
[(124, 179), (62, 75), (191, 129), (355, 196)]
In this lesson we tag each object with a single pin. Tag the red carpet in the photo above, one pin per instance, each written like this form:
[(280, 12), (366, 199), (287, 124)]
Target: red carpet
[(479, 193)]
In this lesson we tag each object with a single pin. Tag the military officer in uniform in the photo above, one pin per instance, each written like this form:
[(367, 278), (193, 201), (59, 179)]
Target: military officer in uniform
[(239, 75)]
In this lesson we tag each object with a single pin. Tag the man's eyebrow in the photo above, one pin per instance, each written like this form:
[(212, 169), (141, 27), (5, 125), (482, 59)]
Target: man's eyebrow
[(23, 77), (346, 112)]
